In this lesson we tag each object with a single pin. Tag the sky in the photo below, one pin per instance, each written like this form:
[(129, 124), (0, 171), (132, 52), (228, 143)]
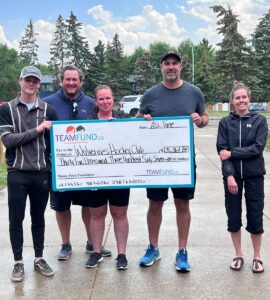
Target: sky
[(138, 22)]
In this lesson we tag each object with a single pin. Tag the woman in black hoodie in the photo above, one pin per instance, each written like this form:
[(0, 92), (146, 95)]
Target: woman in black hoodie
[(240, 143)]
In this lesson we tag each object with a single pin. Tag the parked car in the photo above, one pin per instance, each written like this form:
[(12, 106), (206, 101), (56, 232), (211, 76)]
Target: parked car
[(130, 104), (256, 107)]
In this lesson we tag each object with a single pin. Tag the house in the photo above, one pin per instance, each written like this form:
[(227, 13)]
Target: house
[(48, 86)]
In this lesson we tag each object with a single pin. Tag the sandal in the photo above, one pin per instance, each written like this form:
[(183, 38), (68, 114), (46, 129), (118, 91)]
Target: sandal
[(257, 266), (237, 263)]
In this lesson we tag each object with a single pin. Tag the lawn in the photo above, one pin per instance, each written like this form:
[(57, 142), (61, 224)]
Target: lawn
[(268, 143), (217, 114), (3, 175), (220, 114)]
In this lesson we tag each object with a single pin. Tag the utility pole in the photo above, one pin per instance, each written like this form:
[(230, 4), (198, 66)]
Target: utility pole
[(192, 55)]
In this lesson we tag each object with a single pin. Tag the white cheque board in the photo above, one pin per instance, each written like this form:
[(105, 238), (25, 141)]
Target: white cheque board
[(122, 153)]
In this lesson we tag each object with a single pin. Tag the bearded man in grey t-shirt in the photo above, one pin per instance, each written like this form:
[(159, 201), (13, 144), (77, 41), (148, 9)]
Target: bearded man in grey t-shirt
[(172, 97)]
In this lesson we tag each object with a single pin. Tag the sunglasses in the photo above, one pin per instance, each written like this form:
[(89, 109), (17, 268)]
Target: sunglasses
[(31, 80), (74, 109)]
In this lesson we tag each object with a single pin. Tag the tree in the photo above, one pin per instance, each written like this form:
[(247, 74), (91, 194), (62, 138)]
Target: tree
[(59, 47), (185, 49), (157, 49), (144, 71), (131, 59), (44, 69), (9, 73), (203, 55), (98, 63), (78, 49), (28, 46), (95, 75), (130, 65), (204, 52), (234, 60), (261, 43), (204, 77), (116, 75)]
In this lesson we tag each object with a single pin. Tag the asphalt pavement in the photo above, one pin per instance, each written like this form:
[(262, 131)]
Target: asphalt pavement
[(210, 249)]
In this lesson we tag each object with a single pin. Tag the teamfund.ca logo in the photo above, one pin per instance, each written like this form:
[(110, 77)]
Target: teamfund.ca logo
[(71, 129), (77, 134)]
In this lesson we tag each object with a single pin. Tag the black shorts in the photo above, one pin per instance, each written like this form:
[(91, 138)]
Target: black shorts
[(161, 194), (116, 197), (61, 201)]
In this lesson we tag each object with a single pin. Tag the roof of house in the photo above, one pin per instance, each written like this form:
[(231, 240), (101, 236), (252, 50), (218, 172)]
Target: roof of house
[(47, 79)]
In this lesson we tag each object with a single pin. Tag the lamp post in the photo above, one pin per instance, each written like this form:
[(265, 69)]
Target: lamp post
[(192, 55)]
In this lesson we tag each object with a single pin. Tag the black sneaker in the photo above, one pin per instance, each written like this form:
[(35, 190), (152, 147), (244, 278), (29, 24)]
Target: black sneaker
[(122, 263), (18, 272), (43, 268), (93, 260)]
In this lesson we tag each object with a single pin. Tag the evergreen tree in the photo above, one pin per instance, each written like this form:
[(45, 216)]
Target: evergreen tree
[(204, 49), (59, 46), (98, 64), (78, 49), (204, 75), (261, 43), (28, 46), (116, 75), (145, 73), (235, 60), (95, 75), (185, 49)]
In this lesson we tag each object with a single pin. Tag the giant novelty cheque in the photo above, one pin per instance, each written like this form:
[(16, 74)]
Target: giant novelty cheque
[(122, 153)]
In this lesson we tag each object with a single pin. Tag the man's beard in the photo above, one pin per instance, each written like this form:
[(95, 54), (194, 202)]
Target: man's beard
[(71, 95), (170, 78)]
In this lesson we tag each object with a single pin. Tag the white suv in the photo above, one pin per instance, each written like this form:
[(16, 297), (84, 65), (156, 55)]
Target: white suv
[(130, 104)]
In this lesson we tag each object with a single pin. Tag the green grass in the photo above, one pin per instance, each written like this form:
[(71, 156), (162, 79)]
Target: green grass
[(221, 114), (3, 175), (267, 147), (217, 114)]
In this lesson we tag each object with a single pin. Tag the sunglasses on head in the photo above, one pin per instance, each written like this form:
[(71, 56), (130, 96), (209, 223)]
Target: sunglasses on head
[(74, 109)]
